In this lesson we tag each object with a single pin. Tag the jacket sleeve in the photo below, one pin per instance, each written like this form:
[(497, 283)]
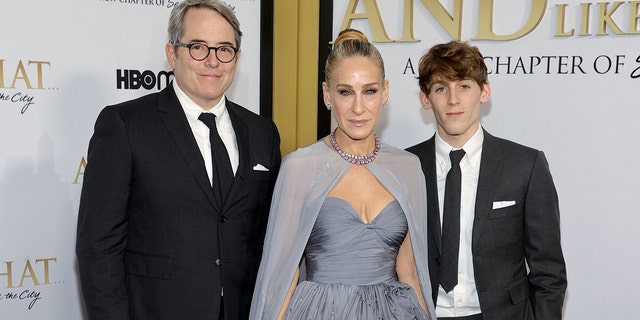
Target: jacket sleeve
[(547, 276), (103, 219)]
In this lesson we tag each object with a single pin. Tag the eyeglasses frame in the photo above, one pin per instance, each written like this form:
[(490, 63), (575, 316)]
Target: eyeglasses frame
[(215, 49)]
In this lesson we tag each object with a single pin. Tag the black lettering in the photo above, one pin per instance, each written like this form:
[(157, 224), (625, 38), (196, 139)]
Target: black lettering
[(122, 77), (408, 65), (636, 73)]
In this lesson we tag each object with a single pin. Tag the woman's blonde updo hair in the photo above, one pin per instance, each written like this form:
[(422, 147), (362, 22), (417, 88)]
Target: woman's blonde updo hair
[(351, 43)]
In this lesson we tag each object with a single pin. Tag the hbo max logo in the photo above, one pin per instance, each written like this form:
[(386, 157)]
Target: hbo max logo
[(136, 79)]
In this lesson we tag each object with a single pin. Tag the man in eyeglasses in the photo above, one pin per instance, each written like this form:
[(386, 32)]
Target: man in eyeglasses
[(178, 185)]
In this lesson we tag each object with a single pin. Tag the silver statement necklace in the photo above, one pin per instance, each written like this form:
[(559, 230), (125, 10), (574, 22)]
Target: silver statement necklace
[(353, 158)]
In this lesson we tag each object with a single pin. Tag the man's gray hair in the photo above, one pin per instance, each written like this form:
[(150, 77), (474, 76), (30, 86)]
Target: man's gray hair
[(176, 19)]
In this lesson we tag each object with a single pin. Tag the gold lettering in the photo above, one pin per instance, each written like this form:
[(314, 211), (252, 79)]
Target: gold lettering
[(372, 14), (1, 73), (562, 12), (633, 19), (39, 68), (9, 274), (20, 69), (584, 28), (28, 269), (452, 24), (604, 18), (81, 168), (485, 21), (47, 279), (407, 25)]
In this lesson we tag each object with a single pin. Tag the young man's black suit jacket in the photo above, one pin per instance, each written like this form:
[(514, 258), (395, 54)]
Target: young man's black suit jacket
[(506, 240), (153, 241)]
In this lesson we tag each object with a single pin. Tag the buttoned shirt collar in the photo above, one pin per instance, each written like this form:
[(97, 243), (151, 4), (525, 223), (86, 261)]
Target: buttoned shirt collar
[(193, 110), (472, 149)]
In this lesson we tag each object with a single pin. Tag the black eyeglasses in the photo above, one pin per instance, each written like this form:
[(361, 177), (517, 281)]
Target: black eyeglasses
[(200, 51)]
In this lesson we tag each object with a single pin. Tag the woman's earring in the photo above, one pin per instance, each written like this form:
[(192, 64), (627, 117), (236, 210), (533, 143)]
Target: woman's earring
[(328, 106)]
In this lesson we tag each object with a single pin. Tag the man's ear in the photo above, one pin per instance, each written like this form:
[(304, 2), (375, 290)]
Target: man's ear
[(170, 50), (486, 92), (238, 54), (424, 100)]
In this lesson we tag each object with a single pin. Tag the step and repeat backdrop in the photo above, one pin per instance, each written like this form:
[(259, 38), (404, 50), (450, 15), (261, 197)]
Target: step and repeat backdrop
[(564, 74), (565, 77), (61, 62)]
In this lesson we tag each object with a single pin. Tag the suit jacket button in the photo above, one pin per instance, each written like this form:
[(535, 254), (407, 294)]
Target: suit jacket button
[(218, 262), (223, 219), (438, 261)]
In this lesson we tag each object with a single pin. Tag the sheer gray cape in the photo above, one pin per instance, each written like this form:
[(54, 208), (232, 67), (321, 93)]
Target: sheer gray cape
[(305, 178)]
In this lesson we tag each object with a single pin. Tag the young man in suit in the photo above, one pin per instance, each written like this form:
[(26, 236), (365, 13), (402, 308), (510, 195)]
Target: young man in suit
[(178, 185), (494, 224)]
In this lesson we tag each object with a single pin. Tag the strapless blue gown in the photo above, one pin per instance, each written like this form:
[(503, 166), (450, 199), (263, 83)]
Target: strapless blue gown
[(350, 268)]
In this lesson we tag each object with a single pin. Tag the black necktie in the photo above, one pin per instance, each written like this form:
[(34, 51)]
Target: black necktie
[(221, 165), (451, 224)]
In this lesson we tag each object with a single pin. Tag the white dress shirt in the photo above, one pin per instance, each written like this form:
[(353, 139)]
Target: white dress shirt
[(201, 131), (463, 299)]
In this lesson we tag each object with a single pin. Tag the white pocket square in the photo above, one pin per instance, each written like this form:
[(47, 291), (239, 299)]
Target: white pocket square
[(259, 167), (503, 204)]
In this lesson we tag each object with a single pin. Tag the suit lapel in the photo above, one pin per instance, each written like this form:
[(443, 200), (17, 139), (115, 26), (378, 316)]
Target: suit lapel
[(488, 179), (176, 123), (427, 156), (238, 189)]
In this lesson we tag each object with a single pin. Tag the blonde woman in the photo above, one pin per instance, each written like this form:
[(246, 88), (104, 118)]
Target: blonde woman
[(346, 233)]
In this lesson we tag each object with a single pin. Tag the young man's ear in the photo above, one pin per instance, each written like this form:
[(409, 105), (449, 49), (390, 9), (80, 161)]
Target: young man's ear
[(424, 100), (486, 92)]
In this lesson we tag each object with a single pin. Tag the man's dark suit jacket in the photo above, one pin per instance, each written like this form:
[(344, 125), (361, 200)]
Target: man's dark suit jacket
[(153, 242), (507, 240)]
